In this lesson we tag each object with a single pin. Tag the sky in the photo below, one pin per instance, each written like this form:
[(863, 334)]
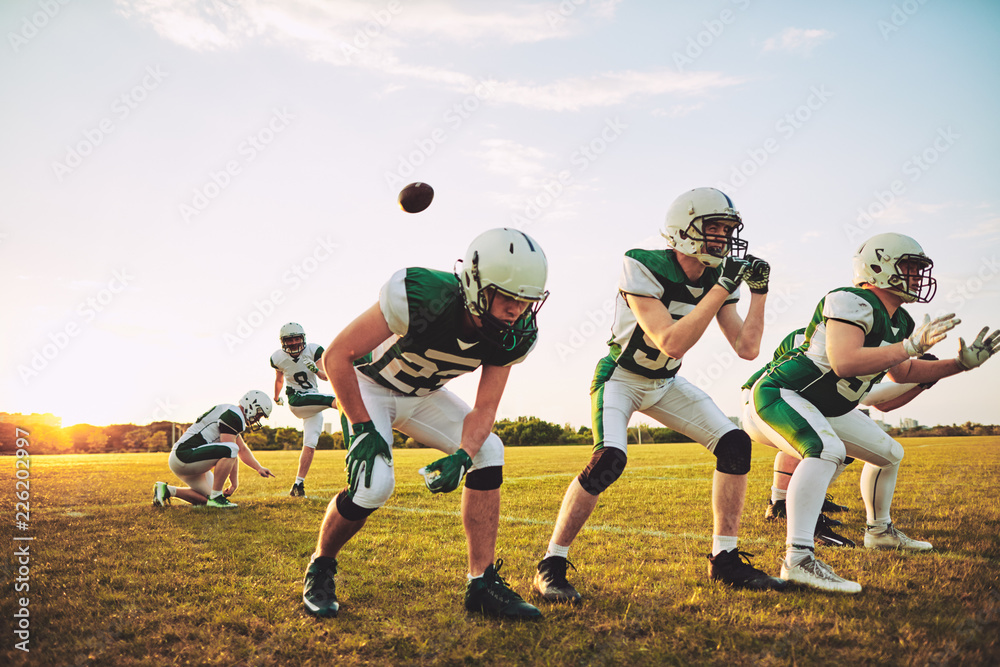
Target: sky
[(182, 177)]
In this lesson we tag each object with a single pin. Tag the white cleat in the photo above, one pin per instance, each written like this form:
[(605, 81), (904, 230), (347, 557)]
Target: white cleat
[(814, 573), (892, 538)]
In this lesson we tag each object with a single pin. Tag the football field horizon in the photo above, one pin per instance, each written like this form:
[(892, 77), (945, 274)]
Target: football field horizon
[(110, 580)]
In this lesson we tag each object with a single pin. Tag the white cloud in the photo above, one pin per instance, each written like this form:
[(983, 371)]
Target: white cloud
[(367, 35), (797, 40), (678, 110), (509, 158), (984, 228)]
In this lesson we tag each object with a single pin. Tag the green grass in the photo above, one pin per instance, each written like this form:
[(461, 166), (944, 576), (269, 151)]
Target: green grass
[(117, 582)]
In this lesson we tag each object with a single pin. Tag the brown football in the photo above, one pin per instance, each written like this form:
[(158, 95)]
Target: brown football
[(415, 197)]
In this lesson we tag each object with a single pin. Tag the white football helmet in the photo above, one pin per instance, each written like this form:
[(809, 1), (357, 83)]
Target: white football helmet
[(512, 263), (288, 334), (878, 263), (685, 221), (256, 405)]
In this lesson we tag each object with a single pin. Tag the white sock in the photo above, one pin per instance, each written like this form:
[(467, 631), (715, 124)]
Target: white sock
[(556, 550), (778, 494), (471, 578), (171, 491), (299, 480), (214, 494), (806, 493), (878, 485), (722, 543), (796, 555)]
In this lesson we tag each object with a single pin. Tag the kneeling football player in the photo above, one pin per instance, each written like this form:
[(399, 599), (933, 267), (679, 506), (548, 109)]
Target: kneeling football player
[(205, 456)]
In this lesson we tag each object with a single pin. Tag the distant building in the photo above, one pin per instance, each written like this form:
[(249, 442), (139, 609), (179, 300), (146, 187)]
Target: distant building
[(328, 428), (882, 425), (907, 423)]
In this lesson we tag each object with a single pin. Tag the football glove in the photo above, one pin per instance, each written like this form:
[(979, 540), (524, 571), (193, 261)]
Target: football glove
[(757, 274), (444, 475), (929, 333), (366, 444), (982, 348), (927, 357), (733, 270), (279, 400), (311, 366)]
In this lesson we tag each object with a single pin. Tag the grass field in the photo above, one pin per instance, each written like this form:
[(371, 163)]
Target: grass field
[(114, 581)]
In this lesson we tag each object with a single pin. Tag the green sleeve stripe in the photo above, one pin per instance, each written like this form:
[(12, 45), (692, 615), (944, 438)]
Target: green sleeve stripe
[(230, 422)]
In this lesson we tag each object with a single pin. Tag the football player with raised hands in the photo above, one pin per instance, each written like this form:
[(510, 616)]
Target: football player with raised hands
[(803, 403), (666, 300)]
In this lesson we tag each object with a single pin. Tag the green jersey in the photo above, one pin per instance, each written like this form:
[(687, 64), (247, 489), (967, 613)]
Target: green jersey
[(656, 274), (806, 369), (426, 313), (787, 344)]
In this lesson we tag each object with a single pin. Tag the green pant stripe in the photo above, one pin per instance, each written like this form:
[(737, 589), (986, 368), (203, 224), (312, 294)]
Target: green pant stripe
[(308, 400), (204, 453), (597, 415), (786, 420)]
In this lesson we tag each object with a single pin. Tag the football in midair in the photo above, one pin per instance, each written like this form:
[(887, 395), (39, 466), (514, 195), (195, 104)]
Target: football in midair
[(415, 197)]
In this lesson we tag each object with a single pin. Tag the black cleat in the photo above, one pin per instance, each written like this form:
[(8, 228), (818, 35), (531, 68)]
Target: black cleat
[(824, 534), (775, 510), (320, 591), (298, 490), (492, 596), (830, 506), (550, 581), (733, 567)]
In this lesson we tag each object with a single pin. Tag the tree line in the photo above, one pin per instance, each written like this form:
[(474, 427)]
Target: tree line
[(47, 436)]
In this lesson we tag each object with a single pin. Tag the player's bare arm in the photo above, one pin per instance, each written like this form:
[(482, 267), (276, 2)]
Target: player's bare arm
[(479, 422), (672, 338), (850, 358), (246, 455), (744, 335), (356, 340), (279, 383)]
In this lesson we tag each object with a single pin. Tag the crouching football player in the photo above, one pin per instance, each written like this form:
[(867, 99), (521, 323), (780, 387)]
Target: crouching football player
[(427, 328)]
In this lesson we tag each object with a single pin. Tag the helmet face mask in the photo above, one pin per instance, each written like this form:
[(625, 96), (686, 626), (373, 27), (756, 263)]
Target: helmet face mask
[(718, 245), (690, 214), (897, 264), (508, 262), (256, 405), (293, 338)]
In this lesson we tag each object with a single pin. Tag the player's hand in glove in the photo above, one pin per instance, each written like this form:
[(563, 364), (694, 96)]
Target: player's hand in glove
[(279, 400), (444, 475), (757, 274), (366, 444), (733, 271), (312, 366), (982, 348), (929, 333)]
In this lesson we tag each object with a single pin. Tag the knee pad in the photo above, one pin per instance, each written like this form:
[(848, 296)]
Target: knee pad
[(485, 479), (349, 509), (732, 453), (605, 467)]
